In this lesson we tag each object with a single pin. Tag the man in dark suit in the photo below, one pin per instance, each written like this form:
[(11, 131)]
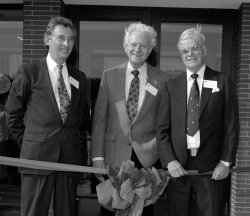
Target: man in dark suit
[(47, 106), (197, 130), (117, 134)]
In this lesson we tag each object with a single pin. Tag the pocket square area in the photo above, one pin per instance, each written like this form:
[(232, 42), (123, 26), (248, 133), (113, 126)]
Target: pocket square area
[(215, 90)]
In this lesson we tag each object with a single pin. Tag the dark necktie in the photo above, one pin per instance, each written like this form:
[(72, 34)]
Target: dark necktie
[(63, 95), (132, 102), (193, 108)]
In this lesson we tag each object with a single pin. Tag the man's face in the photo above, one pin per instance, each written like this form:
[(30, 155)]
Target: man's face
[(60, 43), (137, 48), (193, 56)]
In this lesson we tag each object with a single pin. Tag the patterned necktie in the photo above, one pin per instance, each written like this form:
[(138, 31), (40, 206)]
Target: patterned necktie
[(193, 108), (63, 95), (132, 102)]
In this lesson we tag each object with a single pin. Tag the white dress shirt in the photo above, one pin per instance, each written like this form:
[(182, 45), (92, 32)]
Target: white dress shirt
[(54, 75), (194, 141)]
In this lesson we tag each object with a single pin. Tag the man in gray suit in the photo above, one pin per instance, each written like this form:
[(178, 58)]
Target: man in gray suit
[(47, 106), (120, 133)]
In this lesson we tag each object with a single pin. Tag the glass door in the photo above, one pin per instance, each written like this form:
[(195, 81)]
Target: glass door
[(11, 46), (101, 46), (101, 31)]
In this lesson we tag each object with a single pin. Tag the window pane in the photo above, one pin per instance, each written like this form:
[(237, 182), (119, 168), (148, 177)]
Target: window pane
[(170, 58), (100, 48), (11, 46)]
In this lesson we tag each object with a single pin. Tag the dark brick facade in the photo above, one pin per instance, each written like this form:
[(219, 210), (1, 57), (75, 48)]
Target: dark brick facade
[(240, 183), (36, 16)]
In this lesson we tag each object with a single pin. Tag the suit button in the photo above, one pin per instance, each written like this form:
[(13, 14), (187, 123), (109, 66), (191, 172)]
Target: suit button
[(129, 144)]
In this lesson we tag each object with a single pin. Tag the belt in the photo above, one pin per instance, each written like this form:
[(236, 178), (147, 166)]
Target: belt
[(192, 152)]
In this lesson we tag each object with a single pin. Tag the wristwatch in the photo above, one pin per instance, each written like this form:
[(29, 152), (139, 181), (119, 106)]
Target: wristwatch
[(227, 164)]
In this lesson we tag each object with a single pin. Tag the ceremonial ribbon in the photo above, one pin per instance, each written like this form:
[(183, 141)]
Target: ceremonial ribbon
[(44, 165)]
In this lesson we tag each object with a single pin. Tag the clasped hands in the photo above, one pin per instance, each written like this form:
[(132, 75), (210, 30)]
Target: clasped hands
[(176, 170)]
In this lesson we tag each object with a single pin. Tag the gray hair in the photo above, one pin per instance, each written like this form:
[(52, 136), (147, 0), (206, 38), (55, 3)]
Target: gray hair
[(61, 21), (137, 26), (192, 33)]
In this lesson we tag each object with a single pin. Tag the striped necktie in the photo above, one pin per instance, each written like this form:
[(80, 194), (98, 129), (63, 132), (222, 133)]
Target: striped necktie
[(193, 108)]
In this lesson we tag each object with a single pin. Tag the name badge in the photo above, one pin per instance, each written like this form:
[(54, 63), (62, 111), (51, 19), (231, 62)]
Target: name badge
[(210, 84), (73, 82), (151, 89)]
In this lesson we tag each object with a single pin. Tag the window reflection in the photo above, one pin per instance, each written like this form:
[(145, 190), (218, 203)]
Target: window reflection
[(101, 46), (11, 46), (170, 60)]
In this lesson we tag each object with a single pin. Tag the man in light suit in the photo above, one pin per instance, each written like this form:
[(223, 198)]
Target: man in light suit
[(115, 137), (211, 147), (46, 128)]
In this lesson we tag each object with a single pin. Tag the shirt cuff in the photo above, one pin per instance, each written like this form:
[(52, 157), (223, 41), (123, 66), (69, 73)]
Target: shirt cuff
[(227, 164), (97, 158)]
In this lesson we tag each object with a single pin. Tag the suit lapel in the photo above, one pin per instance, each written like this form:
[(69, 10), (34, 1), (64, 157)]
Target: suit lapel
[(75, 93), (179, 107), (119, 88), (179, 92), (48, 86), (119, 80), (148, 98), (206, 92)]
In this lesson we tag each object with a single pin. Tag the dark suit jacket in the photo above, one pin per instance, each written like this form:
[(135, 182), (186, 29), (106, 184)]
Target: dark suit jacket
[(218, 122), (112, 134), (35, 121)]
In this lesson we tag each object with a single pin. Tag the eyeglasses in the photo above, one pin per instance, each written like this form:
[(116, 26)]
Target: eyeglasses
[(192, 49)]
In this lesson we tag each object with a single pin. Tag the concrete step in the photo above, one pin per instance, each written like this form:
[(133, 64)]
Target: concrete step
[(10, 200), (9, 213)]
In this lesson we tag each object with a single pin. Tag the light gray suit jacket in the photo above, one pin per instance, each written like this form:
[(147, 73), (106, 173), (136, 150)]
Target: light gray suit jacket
[(113, 136)]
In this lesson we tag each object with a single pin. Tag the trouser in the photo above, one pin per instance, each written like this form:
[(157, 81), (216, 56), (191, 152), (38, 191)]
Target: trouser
[(196, 195), (37, 190)]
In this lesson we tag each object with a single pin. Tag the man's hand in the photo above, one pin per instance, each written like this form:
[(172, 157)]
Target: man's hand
[(175, 169), (220, 171), (99, 164)]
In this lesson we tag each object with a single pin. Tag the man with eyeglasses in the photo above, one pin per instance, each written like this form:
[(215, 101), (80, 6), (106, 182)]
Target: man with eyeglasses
[(197, 130), (47, 108)]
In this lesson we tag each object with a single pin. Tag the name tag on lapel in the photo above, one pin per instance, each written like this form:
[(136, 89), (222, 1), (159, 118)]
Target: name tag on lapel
[(151, 89), (210, 84), (73, 82)]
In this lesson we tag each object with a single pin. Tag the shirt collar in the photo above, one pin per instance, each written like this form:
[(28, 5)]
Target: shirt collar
[(200, 73), (52, 65), (142, 70)]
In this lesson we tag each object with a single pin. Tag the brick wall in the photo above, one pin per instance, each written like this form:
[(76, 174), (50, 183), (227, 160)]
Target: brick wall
[(240, 190), (36, 17)]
